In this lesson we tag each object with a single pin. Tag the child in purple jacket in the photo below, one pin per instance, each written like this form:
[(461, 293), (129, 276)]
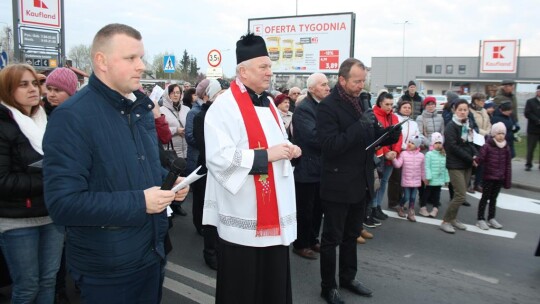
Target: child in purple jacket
[(412, 174), (496, 156)]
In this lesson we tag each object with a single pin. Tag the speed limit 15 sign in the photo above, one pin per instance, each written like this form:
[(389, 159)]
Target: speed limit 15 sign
[(214, 58)]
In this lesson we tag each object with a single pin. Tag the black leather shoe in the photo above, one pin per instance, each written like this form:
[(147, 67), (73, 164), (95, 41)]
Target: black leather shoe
[(178, 210), (358, 288), (466, 204), (306, 253), (332, 296), (211, 262)]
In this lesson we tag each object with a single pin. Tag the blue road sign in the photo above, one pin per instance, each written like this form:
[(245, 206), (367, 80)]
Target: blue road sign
[(3, 59), (168, 64)]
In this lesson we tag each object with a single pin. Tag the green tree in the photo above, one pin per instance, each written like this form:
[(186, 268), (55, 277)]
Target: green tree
[(185, 64), (193, 69)]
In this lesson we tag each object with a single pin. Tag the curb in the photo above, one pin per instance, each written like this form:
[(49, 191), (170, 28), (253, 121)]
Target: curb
[(525, 187)]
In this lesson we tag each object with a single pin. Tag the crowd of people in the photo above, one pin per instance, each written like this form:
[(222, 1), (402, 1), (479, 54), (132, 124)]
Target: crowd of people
[(447, 148), (82, 173)]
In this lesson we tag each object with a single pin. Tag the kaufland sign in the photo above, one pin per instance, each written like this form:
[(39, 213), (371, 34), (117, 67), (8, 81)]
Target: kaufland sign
[(40, 13), (499, 56)]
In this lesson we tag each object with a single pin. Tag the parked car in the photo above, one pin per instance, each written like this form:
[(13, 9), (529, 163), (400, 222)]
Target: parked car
[(441, 101), (466, 97)]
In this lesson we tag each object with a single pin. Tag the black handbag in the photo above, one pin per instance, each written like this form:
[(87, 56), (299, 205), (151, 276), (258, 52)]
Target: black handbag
[(167, 156)]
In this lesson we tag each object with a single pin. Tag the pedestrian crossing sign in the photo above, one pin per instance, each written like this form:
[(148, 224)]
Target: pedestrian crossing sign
[(168, 64)]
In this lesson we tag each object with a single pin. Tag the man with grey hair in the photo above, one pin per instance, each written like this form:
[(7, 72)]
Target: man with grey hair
[(294, 92), (307, 170), (250, 184)]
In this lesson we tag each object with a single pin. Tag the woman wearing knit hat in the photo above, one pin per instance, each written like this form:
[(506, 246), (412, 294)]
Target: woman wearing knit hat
[(495, 155), (61, 84), (430, 121)]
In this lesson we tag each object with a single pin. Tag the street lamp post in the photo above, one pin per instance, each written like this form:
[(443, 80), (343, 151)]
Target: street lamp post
[(403, 60)]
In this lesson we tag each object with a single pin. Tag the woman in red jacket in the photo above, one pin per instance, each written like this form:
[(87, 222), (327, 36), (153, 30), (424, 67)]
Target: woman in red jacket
[(386, 117)]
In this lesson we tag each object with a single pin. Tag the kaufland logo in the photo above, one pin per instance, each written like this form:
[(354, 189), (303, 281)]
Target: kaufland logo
[(497, 52), (41, 14), (40, 4), (499, 56)]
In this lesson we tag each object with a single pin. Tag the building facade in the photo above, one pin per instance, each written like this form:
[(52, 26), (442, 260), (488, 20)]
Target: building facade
[(436, 75)]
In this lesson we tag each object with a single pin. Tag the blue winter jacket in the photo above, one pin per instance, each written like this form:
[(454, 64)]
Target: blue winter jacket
[(100, 153)]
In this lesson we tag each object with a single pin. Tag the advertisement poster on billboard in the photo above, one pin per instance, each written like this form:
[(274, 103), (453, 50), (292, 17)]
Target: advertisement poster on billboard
[(499, 56), (307, 44)]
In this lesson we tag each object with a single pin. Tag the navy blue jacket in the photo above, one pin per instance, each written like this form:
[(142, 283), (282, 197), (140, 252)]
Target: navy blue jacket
[(509, 123), (347, 168), (100, 153), (304, 120)]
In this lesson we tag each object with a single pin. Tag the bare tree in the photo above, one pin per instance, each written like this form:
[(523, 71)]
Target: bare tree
[(80, 57)]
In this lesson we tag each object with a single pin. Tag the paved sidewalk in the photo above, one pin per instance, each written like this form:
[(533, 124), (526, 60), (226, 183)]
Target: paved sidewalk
[(525, 180)]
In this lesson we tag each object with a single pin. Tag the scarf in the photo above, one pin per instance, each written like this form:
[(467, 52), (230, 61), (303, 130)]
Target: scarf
[(32, 127), (265, 188), (500, 144), (354, 101), (466, 132)]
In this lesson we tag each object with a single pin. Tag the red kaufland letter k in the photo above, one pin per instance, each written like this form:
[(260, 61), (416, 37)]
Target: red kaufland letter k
[(497, 52)]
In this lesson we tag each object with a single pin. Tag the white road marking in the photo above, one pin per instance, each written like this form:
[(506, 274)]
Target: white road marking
[(470, 228), (513, 202), (188, 292), (477, 276), (188, 273), (408, 255)]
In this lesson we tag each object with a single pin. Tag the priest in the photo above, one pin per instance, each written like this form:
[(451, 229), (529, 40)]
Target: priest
[(250, 186)]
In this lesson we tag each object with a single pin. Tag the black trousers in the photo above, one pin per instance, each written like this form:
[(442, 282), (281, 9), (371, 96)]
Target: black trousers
[(490, 192), (308, 214), (248, 275), (342, 225), (198, 202), (394, 188), (432, 196), (532, 142)]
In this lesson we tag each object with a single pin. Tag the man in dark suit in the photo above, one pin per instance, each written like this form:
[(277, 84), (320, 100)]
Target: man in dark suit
[(346, 126)]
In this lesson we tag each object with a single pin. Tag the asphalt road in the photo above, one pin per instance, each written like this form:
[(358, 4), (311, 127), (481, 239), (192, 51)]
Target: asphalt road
[(405, 262)]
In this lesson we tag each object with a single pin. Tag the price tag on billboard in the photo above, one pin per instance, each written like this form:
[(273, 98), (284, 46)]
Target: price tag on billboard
[(329, 59)]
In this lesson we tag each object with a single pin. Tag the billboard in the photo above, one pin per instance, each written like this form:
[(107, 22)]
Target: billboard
[(499, 56), (307, 44), (40, 13)]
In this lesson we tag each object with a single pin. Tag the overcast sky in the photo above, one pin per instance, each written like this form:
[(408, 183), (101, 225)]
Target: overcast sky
[(437, 28)]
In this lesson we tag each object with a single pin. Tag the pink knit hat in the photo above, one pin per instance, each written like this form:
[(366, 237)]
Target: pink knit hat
[(498, 128), (436, 137), (64, 79)]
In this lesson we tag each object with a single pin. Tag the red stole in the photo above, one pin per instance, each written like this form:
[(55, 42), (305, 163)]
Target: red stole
[(265, 187)]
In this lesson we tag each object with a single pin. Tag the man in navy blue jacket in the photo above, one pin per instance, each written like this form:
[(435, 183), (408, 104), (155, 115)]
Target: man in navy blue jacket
[(101, 175)]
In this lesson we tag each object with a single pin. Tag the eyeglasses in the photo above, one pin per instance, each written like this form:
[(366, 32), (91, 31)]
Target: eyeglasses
[(177, 92)]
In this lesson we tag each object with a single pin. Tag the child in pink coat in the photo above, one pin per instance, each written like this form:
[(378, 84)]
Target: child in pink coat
[(412, 174)]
